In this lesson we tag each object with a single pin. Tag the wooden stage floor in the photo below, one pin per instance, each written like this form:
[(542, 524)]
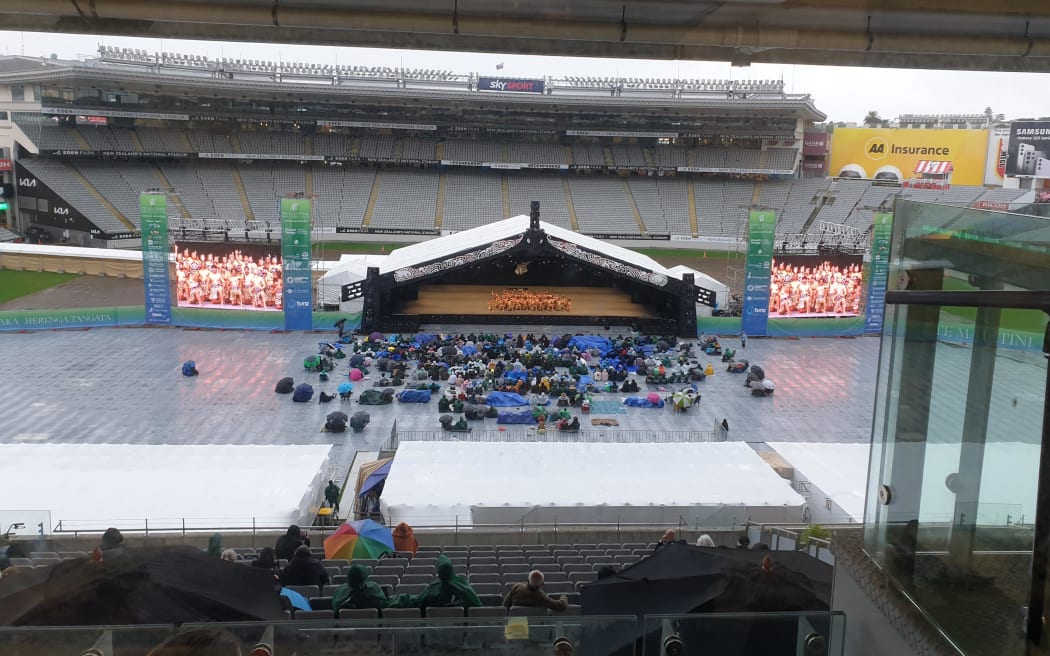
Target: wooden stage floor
[(474, 299)]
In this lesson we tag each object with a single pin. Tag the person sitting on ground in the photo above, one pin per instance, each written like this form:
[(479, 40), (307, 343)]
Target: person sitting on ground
[(229, 555), (727, 355), (669, 537), (325, 397), (359, 592), (303, 570), (705, 540), (532, 594), (265, 559), (289, 542), (112, 545)]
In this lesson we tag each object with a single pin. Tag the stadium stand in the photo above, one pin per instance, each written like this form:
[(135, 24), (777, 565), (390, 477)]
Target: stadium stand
[(721, 206), (536, 153), (602, 206), (266, 183), (526, 186), (471, 199), (1001, 195), (651, 206), (588, 155), (334, 144), (342, 195), (842, 198), (60, 138), (59, 177), (120, 183), (473, 150), (160, 140), (407, 199)]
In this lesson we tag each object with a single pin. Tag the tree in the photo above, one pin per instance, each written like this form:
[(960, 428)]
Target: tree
[(873, 120)]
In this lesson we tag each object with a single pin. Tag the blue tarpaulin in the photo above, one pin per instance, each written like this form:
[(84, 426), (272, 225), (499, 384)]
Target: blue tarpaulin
[(584, 342), (516, 417), (583, 381), (505, 399), (641, 402), (469, 349), (414, 396), (423, 338), (516, 375)]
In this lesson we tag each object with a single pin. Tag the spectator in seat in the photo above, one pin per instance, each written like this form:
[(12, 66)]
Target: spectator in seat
[(405, 539), (532, 594), (215, 545), (669, 537), (359, 592), (266, 559), (229, 555), (289, 542), (112, 545), (199, 642), (303, 570), (448, 589)]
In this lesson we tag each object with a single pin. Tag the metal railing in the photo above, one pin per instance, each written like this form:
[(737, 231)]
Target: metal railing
[(786, 538)]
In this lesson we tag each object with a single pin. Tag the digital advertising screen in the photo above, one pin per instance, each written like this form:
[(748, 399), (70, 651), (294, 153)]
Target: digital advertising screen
[(811, 286), (229, 276)]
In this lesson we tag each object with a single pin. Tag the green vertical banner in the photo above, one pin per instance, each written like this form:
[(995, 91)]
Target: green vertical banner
[(879, 271), (153, 214), (761, 233), (295, 253)]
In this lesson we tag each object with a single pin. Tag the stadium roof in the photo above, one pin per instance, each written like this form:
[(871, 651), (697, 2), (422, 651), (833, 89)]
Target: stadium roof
[(949, 34), (17, 69)]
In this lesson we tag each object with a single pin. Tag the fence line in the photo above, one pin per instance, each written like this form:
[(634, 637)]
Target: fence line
[(587, 436)]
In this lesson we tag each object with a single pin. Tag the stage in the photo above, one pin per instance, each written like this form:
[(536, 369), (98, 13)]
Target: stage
[(474, 300)]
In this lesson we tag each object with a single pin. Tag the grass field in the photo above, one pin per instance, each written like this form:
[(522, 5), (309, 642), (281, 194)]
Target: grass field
[(15, 284), (1030, 321)]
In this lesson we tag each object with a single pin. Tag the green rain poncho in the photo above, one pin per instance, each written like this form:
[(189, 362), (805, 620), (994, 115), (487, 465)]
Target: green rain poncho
[(215, 545), (447, 590), (359, 592)]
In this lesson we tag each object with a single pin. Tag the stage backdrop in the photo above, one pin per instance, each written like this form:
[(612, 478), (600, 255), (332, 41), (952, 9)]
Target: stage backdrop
[(295, 251), (761, 231), (156, 276)]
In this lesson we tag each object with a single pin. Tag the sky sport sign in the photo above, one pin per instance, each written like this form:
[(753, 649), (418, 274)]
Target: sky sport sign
[(509, 84)]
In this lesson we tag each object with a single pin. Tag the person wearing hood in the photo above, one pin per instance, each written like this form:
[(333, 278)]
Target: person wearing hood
[(359, 592), (303, 569), (405, 539), (448, 589), (289, 542), (215, 545), (112, 544), (265, 559)]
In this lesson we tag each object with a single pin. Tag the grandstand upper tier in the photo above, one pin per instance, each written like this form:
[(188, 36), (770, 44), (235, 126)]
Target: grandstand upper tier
[(395, 150)]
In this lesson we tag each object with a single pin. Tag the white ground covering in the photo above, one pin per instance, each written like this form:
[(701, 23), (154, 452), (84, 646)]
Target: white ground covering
[(1008, 480), (434, 483), (87, 485)]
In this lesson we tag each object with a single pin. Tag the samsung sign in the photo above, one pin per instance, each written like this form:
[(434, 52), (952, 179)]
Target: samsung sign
[(507, 84)]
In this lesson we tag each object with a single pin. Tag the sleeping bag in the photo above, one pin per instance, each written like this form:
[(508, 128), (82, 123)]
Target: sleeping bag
[(303, 393), (640, 402), (515, 417), (373, 397), (189, 368), (414, 396), (285, 386)]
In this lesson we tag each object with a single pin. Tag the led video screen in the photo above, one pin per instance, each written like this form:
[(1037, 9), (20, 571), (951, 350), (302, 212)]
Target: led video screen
[(229, 276), (804, 286)]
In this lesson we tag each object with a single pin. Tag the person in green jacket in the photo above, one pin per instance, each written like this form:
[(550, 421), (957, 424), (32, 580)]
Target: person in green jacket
[(215, 545), (448, 589), (359, 592)]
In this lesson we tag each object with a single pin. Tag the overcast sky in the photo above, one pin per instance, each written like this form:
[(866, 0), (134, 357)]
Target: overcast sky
[(844, 94)]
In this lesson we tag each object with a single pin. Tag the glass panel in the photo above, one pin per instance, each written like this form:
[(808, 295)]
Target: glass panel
[(50, 641), (745, 634), (958, 428)]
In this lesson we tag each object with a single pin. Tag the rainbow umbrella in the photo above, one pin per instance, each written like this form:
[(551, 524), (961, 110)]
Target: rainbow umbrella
[(363, 538)]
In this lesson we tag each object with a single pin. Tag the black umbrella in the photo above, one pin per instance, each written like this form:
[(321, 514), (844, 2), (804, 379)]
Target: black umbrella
[(681, 579), (152, 585)]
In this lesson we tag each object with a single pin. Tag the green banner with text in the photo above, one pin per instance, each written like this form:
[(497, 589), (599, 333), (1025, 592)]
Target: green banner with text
[(295, 255)]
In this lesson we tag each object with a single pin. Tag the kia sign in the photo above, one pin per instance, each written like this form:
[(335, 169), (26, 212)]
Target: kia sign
[(507, 84)]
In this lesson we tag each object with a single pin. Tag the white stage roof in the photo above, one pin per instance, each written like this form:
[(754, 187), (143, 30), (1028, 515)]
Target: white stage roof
[(445, 483), (94, 486), (841, 471), (441, 247)]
